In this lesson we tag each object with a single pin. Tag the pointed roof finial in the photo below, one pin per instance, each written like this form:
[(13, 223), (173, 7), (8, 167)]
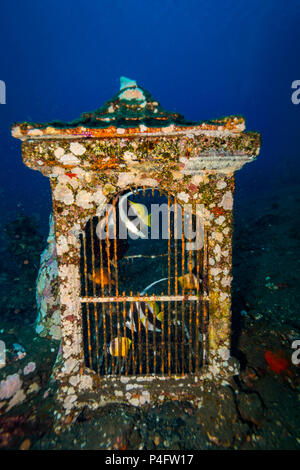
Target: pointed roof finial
[(127, 83), (130, 91)]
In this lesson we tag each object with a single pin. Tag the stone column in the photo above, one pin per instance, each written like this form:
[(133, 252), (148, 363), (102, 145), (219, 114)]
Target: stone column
[(220, 274)]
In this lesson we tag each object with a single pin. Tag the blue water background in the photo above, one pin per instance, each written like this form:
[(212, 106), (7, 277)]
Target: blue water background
[(204, 59)]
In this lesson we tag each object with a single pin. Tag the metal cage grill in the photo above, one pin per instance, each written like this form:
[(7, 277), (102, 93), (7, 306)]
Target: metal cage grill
[(128, 330)]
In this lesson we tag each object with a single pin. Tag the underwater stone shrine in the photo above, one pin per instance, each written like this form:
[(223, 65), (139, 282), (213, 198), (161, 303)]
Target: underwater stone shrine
[(121, 341)]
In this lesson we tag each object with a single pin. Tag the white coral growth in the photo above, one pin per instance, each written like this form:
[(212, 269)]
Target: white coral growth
[(84, 199), (63, 194), (227, 201), (69, 159), (10, 386), (77, 148)]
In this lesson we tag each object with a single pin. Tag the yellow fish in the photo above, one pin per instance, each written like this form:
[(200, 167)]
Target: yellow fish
[(106, 278), (154, 309), (142, 213), (119, 346), (159, 316), (188, 281)]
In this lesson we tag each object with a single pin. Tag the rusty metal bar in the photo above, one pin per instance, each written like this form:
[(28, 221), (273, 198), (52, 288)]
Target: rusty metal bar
[(109, 288), (133, 338), (140, 339), (125, 332), (169, 287), (94, 292), (205, 261), (103, 307), (176, 283), (117, 279), (154, 344), (162, 298), (147, 339), (162, 339), (183, 288), (86, 292), (197, 302), (190, 338), (115, 250)]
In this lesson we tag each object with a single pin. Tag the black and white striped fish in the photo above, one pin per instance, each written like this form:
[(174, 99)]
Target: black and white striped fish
[(137, 313)]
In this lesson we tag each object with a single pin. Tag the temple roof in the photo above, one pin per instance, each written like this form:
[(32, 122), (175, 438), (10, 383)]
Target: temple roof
[(130, 107), (131, 111)]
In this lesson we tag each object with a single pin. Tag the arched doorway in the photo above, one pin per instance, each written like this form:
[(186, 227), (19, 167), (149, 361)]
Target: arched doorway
[(142, 282)]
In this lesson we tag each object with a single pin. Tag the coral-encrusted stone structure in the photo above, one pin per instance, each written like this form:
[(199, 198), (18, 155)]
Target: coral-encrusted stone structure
[(132, 141), (47, 295)]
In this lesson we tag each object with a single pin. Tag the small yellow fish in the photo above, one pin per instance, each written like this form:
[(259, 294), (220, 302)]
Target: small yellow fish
[(106, 278), (188, 281), (154, 309), (159, 316), (119, 347), (142, 213)]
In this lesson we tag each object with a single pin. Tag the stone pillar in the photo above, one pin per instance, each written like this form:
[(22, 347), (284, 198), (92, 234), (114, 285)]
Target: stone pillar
[(48, 323), (220, 275)]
